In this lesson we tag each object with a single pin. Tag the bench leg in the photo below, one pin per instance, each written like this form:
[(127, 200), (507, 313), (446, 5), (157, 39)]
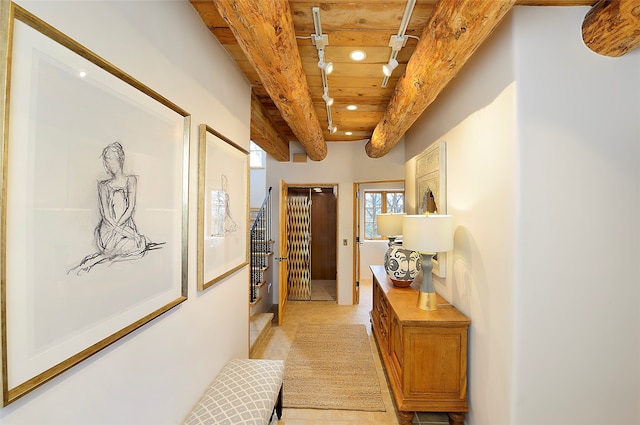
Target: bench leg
[(279, 405)]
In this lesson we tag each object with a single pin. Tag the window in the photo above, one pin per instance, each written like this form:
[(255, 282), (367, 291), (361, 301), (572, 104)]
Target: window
[(380, 202), (257, 157)]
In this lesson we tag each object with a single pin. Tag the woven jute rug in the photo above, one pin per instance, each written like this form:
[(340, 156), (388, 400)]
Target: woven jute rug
[(331, 367)]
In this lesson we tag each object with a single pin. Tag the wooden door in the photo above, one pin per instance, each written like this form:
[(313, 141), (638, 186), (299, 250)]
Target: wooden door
[(323, 235), (283, 253), (357, 243)]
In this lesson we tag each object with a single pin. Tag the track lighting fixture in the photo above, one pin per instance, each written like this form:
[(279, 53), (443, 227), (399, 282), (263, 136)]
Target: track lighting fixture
[(397, 42), (327, 99), (332, 128), (388, 68), (327, 67), (320, 40)]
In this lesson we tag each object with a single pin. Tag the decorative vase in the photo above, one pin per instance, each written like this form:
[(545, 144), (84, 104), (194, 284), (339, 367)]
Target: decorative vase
[(402, 265)]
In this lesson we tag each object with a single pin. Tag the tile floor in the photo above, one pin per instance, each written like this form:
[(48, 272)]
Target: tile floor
[(323, 290), (278, 343)]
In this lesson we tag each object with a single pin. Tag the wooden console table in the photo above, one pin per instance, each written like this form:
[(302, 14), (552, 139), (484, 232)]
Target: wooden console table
[(424, 353)]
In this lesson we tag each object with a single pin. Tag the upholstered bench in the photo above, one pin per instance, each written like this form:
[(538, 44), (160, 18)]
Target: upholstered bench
[(244, 392)]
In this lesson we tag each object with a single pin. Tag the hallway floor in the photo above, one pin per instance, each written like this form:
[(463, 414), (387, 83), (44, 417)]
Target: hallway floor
[(280, 338), (323, 290)]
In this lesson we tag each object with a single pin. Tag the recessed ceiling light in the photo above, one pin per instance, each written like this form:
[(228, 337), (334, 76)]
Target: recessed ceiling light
[(357, 55), (352, 107), (348, 133)]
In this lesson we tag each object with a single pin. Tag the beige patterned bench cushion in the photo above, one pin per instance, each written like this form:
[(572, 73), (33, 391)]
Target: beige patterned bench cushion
[(244, 392)]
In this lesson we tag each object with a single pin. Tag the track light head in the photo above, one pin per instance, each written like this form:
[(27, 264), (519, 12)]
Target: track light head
[(388, 68), (327, 67), (328, 100)]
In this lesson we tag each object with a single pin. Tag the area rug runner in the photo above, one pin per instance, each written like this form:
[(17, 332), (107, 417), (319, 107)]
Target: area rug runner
[(331, 367)]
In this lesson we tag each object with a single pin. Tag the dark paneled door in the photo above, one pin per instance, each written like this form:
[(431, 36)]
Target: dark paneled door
[(323, 234)]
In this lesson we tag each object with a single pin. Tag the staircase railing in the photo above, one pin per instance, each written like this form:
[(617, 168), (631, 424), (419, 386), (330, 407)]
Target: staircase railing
[(260, 246)]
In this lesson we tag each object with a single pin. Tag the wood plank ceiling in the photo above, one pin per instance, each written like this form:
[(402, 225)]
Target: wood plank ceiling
[(272, 42)]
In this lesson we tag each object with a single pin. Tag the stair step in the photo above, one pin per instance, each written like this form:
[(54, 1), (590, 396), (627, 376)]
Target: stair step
[(259, 268), (259, 326), (257, 242)]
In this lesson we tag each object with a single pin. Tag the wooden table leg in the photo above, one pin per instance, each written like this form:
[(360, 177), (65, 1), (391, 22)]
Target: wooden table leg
[(456, 418), (405, 418), (279, 404)]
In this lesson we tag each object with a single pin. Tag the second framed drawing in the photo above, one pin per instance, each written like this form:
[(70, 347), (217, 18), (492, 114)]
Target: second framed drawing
[(223, 207)]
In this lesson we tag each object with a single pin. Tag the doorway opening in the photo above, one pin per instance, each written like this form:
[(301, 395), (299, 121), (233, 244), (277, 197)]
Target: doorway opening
[(371, 198), (312, 242)]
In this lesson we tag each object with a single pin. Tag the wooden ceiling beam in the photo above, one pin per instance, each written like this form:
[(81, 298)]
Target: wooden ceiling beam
[(265, 134), (612, 28), (265, 32), (453, 34)]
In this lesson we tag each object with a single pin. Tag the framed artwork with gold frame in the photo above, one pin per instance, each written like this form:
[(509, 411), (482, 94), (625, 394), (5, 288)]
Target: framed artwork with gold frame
[(94, 203), (431, 190), (223, 207)]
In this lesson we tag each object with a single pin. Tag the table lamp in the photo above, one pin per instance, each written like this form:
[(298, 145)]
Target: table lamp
[(427, 234), (390, 225)]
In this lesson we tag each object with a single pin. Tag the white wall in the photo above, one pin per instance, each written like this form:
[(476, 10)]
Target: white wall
[(258, 187), (543, 140), (345, 164), (154, 375), (577, 323), (475, 117)]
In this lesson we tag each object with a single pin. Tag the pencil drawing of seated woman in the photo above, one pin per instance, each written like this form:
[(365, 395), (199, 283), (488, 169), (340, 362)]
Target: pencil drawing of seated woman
[(116, 235)]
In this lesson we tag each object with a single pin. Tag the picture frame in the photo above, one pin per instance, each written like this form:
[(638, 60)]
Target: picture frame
[(94, 203), (431, 190), (223, 207)]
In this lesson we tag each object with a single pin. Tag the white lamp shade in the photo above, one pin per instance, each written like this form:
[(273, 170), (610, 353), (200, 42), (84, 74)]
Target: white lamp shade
[(389, 224), (433, 233)]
